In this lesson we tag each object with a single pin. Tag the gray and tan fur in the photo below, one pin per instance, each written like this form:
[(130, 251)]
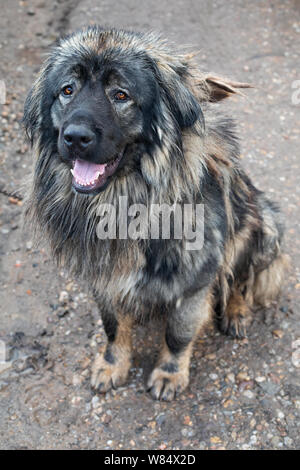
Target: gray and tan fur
[(178, 149)]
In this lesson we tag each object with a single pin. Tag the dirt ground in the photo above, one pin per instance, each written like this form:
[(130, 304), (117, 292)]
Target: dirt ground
[(242, 394)]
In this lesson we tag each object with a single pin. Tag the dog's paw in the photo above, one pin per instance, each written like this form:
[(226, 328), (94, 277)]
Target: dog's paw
[(107, 375), (235, 326), (237, 317), (165, 385)]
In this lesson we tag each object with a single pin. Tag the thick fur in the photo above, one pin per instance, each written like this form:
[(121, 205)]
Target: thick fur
[(181, 150)]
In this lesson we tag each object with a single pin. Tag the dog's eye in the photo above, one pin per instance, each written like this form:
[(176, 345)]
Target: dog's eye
[(67, 90), (121, 96)]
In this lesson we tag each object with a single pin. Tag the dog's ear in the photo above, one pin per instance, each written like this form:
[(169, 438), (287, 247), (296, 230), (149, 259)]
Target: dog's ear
[(31, 113), (172, 76), (183, 104), (219, 88), (35, 101)]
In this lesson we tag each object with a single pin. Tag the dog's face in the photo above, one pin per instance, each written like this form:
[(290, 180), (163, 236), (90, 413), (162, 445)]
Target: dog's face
[(99, 101), (100, 112)]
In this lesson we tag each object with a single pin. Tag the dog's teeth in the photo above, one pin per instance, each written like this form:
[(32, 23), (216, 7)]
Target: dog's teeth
[(72, 171)]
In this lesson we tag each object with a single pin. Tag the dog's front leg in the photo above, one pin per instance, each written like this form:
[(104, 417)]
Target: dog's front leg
[(171, 374), (111, 366)]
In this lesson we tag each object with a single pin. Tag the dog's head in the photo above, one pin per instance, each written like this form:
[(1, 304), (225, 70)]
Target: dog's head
[(105, 98)]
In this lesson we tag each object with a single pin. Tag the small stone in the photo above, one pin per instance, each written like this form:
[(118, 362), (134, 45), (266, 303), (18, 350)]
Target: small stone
[(231, 377), (106, 418), (77, 380), (184, 432), (275, 441), (69, 286), (211, 356), (162, 446), (187, 421), (228, 403), (260, 379), (63, 297), (76, 401), (288, 441), (296, 357), (269, 388), (160, 419), (280, 414), (29, 245), (213, 376), (152, 424), (284, 309), (277, 333), (246, 385), (215, 440), (248, 394), (95, 402), (242, 376)]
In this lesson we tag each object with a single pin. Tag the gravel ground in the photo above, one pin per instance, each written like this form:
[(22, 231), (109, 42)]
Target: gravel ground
[(242, 394)]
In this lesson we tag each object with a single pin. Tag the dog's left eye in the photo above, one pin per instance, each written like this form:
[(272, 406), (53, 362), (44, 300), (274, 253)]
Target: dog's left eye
[(121, 96), (67, 90)]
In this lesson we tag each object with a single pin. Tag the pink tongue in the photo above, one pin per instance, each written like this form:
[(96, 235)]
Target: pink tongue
[(87, 172)]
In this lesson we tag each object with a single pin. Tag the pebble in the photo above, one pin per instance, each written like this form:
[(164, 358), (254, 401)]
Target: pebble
[(249, 394), (269, 388), (276, 441), (280, 414), (231, 377), (76, 401), (213, 376), (277, 333), (29, 245), (161, 419), (288, 441), (95, 402), (260, 379), (242, 376), (63, 297)]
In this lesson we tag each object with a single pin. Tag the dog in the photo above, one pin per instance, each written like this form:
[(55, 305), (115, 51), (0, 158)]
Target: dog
[(116, 114)]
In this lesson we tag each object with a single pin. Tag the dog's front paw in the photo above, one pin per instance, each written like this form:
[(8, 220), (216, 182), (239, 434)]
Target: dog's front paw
[(166, 384), (109, 372)]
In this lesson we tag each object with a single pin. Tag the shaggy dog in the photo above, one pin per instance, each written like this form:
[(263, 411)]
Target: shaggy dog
[(114, 114)]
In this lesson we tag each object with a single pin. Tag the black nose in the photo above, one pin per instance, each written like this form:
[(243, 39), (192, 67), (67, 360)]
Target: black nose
[(78, 136)]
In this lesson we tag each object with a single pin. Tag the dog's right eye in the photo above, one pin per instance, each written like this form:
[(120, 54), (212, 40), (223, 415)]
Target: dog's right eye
[(67, 90)]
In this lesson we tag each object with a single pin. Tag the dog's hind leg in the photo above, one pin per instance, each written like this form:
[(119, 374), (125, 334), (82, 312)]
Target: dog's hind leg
[(237, 316), (268, 282), (111, 366), (171, 374), (270, 264)]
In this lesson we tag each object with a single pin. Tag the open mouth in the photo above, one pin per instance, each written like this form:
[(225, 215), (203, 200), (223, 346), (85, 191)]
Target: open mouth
[(89, 177)]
